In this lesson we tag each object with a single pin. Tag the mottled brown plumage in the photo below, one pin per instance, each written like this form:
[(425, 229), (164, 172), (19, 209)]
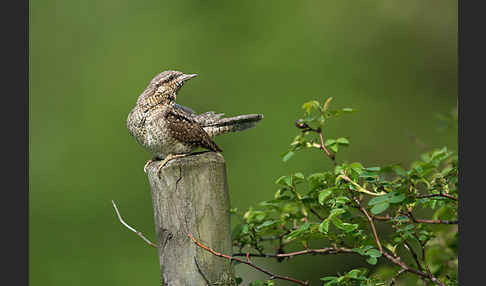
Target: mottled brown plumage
[(186, 129), (169, 130)]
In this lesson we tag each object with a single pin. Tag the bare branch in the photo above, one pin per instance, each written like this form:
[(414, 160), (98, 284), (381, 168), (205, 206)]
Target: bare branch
[(131, 228), (395, 260), (442, 195), (359, 188), (316, 213), (394, 279), (430, 221), (200, 272), (323, 147), (322, 251), (247, 262), (415, 256)]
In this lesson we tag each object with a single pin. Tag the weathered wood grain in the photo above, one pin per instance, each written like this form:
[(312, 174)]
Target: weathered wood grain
[(192, 191)]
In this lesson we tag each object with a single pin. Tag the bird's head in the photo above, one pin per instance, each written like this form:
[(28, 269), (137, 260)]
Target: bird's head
[(164, 86)]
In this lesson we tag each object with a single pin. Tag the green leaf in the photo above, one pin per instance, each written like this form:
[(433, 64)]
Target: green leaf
[(236, 231), (328, 142), (373, 169), (357, 167), (373, 253), (396, 198), (342, 141), (409, 227), (337, 222), (255, 216), (399, 170), (324, 226), (329, 278), (336, 212), (266, 224), (379, 208), (372, 260), (288, 155), (334, 148), (342, 200), (400, 218), (338, 170), (323, 195), (378, 200), (347, 227), (299, 176), (326, 104), (298, 232), (280, 181), (284, 180), (349, 110), (309, 105), (354, 273)]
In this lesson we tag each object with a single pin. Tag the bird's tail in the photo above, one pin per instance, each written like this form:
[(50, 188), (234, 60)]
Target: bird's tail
[(214, 125)]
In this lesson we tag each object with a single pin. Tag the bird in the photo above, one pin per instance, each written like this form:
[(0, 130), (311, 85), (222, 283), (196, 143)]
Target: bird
[(169, 130)]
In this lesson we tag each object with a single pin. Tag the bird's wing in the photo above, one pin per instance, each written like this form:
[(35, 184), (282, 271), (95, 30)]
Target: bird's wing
[(205, 119), (188, 110), (208, 118), (184, 128)]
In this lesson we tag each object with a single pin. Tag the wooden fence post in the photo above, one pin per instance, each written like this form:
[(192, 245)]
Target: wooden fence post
[(192, 192)]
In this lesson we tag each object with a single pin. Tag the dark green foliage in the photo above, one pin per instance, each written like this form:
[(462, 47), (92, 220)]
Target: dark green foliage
[(355, 277), (338, 209)]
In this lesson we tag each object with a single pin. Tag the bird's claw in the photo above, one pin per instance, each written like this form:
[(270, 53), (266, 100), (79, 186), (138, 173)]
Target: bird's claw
[(167, 159), (147, 164), (162, 165)]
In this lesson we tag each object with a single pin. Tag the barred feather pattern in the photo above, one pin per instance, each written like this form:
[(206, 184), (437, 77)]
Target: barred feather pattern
[(217, 126), (163, 127)]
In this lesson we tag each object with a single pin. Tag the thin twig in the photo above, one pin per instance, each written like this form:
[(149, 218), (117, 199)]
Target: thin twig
[(360, 189), (323, 147), (395, 260), (394, 279), (417, 220), (442, 195), (424, 259), (131, 228), (316, 213), (200, 272), (272, 276), (436, 221), (373, 228), (415, 256), (323, 251)]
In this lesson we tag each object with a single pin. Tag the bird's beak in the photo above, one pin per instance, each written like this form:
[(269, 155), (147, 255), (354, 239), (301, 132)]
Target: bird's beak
[(186, 77)]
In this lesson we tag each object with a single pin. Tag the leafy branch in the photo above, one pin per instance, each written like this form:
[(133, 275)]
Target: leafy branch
[(338, 208)]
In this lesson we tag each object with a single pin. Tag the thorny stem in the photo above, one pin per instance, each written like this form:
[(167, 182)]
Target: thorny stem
[(247, 262)]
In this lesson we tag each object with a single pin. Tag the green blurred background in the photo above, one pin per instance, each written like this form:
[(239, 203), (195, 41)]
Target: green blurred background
[(395, 61)]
